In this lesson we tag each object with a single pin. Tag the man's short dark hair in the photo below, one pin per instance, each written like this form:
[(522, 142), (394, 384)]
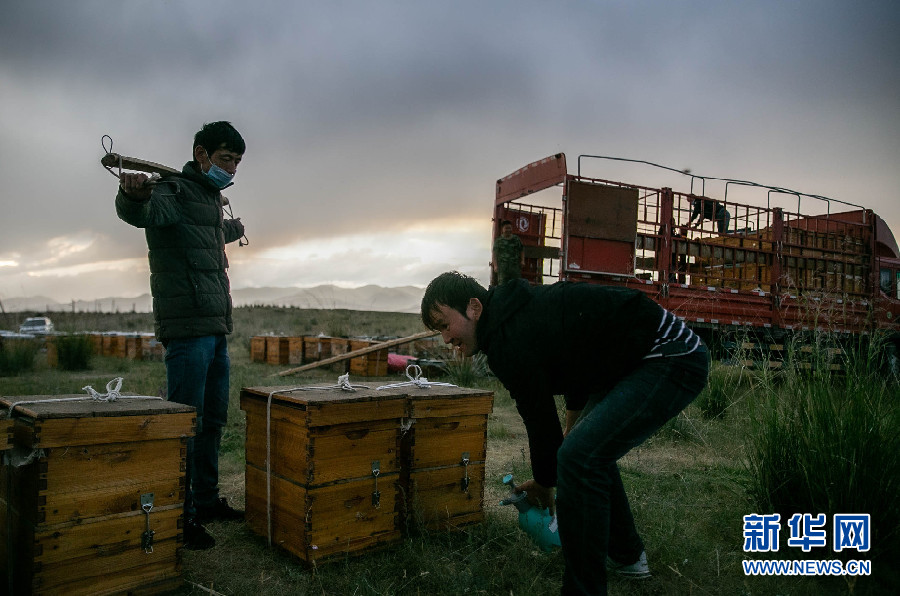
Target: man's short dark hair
[(219, 135), (452, 289), (505, 222)]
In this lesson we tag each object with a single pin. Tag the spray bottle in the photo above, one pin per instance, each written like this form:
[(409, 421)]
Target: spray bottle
[(537, 523)]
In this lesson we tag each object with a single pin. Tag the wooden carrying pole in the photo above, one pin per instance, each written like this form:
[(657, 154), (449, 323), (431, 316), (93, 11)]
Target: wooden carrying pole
[(113, 160), (360, 352)]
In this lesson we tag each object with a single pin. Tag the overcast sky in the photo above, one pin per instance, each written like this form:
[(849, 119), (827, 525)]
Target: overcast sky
[(376, 130)]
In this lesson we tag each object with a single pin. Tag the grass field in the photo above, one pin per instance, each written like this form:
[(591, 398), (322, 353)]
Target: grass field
[(690, 486)]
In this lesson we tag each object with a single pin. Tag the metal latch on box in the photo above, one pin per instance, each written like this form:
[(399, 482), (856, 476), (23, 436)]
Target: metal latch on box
[(147, 536), (376, 496), (464, 483)]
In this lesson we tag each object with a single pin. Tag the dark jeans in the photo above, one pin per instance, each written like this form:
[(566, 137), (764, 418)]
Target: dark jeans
[(197, 375), (722, 219), (594, 516)]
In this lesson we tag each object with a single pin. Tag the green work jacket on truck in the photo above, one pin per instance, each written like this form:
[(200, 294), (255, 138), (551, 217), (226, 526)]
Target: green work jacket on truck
[(186, 236)]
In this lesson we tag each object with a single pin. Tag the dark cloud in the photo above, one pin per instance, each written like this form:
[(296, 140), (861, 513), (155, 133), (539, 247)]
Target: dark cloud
[(364, 117)]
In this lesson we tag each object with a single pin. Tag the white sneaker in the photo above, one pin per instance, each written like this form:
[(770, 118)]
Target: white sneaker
[(637, 570)]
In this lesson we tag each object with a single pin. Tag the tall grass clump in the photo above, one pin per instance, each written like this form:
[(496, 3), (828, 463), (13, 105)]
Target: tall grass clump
[(723, 386), (17, 357), (828, 442), (467, 371), (73, 352), (715, 398)]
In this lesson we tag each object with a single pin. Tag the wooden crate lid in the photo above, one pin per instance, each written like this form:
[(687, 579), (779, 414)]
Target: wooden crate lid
[(451, 406), (42, 422), (83, 406), (447, 401), (325, 406)]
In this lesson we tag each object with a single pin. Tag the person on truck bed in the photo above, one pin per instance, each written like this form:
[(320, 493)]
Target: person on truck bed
[(624, 365), (508, 254), (703, 208)]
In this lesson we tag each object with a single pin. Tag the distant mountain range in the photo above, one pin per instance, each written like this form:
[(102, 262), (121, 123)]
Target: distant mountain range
[(371, 297)]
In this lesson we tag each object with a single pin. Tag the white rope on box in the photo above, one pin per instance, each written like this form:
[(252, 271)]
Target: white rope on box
[(112, 394), (343, 384), (418, 380)]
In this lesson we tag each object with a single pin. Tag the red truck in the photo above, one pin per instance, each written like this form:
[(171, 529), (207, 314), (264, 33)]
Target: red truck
[(731, 270)]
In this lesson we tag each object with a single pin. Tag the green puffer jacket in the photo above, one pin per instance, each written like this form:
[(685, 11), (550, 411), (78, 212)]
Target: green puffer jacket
[(186, 235)]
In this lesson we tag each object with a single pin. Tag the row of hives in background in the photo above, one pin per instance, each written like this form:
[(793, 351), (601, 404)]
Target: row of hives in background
[(115, 344), (300, 350)]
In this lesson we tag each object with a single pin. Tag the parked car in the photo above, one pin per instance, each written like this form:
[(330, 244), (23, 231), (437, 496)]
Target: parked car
[(36, 326)]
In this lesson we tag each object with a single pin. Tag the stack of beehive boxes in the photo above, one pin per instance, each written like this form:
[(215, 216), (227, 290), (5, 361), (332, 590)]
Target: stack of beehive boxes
[(258, 348), (443, 455), (315, 349), (350, 471), (115, 344), (312, 348), (277, 350), (339, 346), (332, 483), (373, 364), (92, 495), (295, 350)]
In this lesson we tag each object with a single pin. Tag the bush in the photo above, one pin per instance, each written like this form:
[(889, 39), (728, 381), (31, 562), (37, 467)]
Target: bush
[(17, 356), (73, 352)]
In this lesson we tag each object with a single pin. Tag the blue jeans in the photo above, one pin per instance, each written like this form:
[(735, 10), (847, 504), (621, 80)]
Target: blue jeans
[(593, 511), (197, 371)]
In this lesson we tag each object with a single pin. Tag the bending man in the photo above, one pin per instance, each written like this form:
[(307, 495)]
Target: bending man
[(623, 363)]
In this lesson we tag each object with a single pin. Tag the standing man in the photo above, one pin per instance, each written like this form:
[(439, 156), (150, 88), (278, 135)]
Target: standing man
[(186, 236), (508, 254), (625, 366)]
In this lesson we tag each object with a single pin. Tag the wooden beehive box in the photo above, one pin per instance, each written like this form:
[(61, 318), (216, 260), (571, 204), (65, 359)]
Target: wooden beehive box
[(332, 488), (114, 345), (339, 347), (97, 343), (134, 347), (325, 344), (295, 350), (277, 350), (373, 364), (316, 347), (74, 491), (153, 348), (444, 449), (258, 349), (312, 348)]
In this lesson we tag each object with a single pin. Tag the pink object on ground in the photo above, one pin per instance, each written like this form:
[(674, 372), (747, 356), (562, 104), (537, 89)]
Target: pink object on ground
[(398, 362)]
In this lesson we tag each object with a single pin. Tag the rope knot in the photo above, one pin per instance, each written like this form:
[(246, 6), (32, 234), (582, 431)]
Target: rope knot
[(112, 392), (344, 383), (418, 380)]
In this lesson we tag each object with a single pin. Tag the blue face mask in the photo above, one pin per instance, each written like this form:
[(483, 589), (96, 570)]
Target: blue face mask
[(219, 177)]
